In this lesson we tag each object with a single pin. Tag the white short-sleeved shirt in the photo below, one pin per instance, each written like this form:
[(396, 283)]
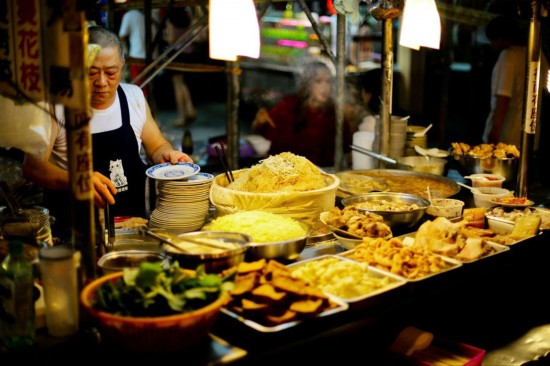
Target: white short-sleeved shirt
[(508, 79), (106, 120), (133, 27)]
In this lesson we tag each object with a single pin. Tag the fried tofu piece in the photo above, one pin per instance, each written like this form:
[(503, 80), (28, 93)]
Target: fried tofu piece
[(289, 284), (307, 306), (252, 307), (267, 293), (285, 317), (244, 284), (246, 267)]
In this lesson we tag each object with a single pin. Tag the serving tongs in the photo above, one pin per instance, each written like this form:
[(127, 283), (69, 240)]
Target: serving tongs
[(381, 157), (176, 242)]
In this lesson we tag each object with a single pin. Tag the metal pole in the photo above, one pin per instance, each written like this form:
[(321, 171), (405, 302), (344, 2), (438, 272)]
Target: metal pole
[(387, 81), (233, 92), (340, 81), (530, 99), (317, 30)]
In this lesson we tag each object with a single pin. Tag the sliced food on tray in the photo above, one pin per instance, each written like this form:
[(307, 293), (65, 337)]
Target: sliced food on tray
[(348, 279), (268, 298), (410, 262)]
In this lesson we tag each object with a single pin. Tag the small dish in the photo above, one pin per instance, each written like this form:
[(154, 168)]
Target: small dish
[(512, 202), (169, 171)]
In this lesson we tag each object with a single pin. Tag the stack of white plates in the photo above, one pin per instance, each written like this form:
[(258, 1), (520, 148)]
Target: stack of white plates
[(413, 141), (398, 134), (182, 204)]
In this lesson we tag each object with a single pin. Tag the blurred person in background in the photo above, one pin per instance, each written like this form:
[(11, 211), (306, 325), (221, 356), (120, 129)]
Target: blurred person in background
[(121, 124), (178, 22), (509, 39), (132, 35), (505, 121), (304, 122)]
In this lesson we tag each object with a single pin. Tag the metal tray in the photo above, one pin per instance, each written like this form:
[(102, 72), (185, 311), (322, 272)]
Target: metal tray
[(497, 248), (341, 306), (450, 262), (400, 181), (395, 281)]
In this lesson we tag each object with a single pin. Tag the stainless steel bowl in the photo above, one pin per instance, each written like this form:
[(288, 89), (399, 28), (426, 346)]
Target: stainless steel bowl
[(280, 250), (214, 261), (468, 165), (394, 219), (117, 261)]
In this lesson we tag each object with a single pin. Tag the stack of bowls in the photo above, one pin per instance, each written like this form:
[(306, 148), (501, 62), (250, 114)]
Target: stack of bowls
[(182, 204), (411, 140), (398, 134)]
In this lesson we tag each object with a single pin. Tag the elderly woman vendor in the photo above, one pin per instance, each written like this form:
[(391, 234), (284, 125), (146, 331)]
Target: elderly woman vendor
[(121, 123)]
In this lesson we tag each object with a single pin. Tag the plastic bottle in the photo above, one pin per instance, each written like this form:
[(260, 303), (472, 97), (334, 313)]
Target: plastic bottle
[(17, 327)]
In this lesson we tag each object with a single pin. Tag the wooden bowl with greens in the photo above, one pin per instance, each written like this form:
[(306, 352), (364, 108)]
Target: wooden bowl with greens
[(154, 308)]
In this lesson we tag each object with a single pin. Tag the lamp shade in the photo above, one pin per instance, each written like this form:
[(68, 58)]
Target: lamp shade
[(233, 29), (420, 25)]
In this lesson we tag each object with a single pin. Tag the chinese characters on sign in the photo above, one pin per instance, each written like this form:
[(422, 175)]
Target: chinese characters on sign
[(20, 54), (532, 98)]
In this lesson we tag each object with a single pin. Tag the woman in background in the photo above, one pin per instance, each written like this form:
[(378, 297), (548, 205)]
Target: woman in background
[(304, 123)]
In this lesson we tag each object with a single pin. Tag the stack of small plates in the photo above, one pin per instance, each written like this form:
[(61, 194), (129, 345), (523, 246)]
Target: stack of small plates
[(398, 133), (413, 141), (182, 204)]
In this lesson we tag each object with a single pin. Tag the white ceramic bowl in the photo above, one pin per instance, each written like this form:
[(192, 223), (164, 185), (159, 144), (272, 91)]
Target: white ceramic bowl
[(483, 195), (486, 180), (445, 207)]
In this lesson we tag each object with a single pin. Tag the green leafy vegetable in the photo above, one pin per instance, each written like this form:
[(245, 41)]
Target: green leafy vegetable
[(153, 290)]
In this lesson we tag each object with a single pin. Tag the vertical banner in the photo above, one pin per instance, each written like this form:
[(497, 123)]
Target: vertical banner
[(532, 99), (65, 70), (7, 50), (20, 55)]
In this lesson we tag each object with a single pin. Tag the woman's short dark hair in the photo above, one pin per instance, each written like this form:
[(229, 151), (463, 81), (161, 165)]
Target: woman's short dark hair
[(103, 37)]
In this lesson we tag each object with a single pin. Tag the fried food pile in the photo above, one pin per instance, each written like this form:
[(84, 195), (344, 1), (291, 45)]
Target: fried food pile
[(358, 222), (498, 151), (455, 240), (411, 262), (266, 292)]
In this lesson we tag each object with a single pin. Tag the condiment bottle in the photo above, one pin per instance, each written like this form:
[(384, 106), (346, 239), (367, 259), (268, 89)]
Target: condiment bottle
[(17, 319)]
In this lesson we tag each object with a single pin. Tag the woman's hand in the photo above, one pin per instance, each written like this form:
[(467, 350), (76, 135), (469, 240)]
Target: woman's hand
[(104, 190), (262, 117), (174, 157)]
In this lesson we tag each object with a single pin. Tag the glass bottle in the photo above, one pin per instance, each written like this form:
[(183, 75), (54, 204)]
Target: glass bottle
[(187, 143), (17, 318)]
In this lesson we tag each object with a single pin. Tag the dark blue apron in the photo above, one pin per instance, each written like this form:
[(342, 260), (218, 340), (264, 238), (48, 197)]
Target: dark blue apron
[(115, 155)]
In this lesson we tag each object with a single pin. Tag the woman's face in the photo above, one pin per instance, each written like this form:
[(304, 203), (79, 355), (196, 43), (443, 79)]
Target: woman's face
[(105, 75), (321, 88)]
